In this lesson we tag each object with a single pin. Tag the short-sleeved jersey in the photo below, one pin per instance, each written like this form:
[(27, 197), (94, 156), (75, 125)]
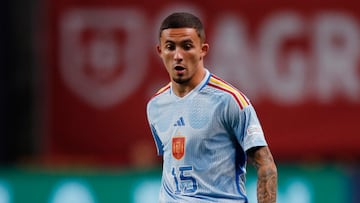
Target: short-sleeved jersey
[(203, 138)]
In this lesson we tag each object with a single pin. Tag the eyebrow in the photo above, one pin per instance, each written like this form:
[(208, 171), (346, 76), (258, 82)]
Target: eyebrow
[(187, 40), (183, 41), (169, 41)]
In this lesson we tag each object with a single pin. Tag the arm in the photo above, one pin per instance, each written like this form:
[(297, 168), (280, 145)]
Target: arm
[(264, 163)]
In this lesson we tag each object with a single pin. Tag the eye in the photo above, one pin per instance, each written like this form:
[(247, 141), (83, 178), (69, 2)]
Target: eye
[(170, 47), (187, 46)]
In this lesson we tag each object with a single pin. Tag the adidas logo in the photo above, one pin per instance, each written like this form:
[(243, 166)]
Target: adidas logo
[(180, 122)]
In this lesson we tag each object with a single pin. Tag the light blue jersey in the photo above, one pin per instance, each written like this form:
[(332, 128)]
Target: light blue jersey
[(203, 137)]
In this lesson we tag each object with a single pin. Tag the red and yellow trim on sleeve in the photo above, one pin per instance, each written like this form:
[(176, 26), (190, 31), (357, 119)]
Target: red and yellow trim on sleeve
[(163, 89), (222, 85)]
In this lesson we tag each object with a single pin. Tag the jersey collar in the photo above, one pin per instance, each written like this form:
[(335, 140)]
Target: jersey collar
[(201, 85)]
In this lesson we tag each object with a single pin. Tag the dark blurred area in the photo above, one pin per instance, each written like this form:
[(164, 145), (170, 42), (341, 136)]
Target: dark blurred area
[(18, 81)]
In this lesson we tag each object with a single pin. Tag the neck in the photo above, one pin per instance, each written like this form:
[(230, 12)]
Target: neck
[(183, 89)]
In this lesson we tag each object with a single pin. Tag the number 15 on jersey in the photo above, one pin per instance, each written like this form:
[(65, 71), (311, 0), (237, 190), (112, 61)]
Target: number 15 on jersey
[(184, 182)]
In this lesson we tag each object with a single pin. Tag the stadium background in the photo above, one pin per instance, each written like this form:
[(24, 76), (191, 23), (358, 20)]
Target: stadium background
[(76, 76)]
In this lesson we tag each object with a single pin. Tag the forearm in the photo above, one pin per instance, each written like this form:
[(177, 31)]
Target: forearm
[(267, 183), (267, 174)]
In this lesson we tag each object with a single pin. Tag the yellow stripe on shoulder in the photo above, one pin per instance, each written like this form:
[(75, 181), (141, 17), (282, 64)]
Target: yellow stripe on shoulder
[(232, 90)]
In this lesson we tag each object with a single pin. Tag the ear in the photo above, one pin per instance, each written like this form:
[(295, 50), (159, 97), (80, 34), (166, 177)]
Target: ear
[(204, 49), (158, 49)]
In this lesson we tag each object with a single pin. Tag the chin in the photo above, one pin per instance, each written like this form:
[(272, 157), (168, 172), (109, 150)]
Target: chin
[(181, 80)]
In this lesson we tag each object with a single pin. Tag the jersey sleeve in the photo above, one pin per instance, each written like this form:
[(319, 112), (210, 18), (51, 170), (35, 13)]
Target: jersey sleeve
[(159, 145), (253, 133), (246, 126)]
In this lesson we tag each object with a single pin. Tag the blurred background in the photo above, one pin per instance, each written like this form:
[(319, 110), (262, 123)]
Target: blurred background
[(76, 76)]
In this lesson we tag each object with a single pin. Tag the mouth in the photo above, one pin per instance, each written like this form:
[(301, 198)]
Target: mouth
[(179, 69)]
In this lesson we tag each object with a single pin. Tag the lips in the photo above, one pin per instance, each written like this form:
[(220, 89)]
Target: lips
[(179, 68)]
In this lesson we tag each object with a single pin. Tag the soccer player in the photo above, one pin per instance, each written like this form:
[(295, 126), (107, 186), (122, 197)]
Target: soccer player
[(204, 128)]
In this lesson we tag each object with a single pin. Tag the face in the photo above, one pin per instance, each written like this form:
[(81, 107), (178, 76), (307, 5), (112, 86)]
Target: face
[(182, 53)]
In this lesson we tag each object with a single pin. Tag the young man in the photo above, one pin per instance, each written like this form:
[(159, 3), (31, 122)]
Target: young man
[(204, 128)]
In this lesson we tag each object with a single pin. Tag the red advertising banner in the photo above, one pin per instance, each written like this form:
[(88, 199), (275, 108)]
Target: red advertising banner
[(297, 61)]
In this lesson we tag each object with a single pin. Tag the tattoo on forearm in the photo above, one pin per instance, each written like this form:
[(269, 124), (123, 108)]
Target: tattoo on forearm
[(266, 188), (267, 175)]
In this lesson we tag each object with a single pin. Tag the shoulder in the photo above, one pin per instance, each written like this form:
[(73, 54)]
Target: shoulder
[(160, 93), (227, 90), (158, 102)]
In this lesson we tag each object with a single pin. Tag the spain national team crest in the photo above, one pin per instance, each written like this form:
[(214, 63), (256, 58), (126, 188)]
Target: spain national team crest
[(178, 147)]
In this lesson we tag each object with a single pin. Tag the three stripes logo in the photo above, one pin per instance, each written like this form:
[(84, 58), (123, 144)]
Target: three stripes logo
[(180, 122)]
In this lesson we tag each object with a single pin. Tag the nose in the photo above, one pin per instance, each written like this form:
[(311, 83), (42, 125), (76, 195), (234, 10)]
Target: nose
[(178, 55)]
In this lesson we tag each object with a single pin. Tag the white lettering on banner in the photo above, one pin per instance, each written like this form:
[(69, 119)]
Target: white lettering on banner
[(100, 52), (328, 70), (286, 86), (104, 57), (336, 51)]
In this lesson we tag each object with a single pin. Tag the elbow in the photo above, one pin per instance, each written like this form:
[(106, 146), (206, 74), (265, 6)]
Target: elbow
[(268, 170)]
